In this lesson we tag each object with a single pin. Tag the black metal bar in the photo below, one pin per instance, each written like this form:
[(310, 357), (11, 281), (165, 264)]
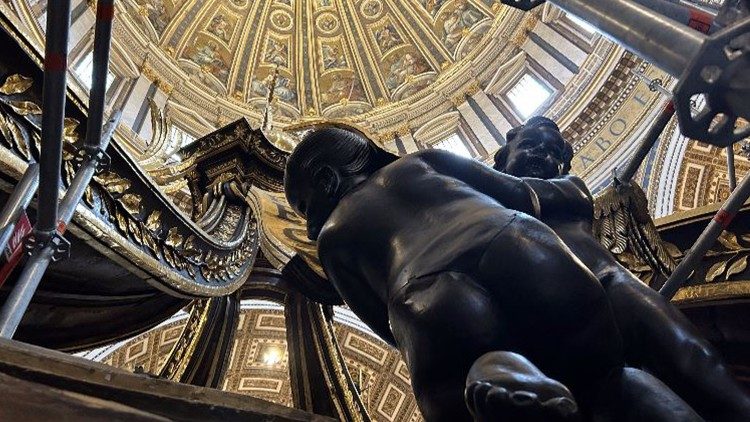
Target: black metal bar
[(84, 174), (731, 174), (102, 45), (53, 106)]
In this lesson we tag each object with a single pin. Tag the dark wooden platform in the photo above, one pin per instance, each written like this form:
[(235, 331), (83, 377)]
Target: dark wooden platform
[(40, 384)]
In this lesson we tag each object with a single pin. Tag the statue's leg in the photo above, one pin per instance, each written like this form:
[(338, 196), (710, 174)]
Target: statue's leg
[(506, 385), (556, 307), (659, 338), (632, 395), (442, 323)]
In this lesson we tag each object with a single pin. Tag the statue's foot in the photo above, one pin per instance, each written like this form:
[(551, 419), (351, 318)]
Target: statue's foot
[(505, 386)]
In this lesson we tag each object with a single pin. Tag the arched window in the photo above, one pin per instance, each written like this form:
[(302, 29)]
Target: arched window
[(528, 95)]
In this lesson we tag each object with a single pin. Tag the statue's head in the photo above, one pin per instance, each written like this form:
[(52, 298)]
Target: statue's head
[(535, 149), (325, 166)]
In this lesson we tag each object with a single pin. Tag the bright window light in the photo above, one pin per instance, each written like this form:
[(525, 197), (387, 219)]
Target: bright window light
[(272, 356), (85, 69), (585, 26), (528, 95), (455, 145)]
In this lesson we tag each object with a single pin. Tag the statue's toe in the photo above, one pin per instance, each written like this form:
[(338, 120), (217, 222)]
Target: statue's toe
[(488, 402)]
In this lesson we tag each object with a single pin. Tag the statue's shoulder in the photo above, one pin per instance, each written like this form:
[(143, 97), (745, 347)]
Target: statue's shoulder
[(422, 159), (577, 183)]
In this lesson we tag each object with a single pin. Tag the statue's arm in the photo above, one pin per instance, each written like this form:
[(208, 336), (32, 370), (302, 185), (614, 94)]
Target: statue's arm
[(567, 194), (508, 190)]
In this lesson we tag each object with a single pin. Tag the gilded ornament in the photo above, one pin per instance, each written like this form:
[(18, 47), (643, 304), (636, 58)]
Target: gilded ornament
[(70, 130), (112, 182), (150, 243), (716, 271), (167, 254), (132, 203), (25, 108), (122, 222), (136, 232), (153, 222), (737, 267), (13, 134), (16, 84), (174, 238), (88, 196)]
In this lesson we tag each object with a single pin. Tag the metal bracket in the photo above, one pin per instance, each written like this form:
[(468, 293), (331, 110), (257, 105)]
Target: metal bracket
[(37, 241), (523, 4), (720, 73), (97, 154)]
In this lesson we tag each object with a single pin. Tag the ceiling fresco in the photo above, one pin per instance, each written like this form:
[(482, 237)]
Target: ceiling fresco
[(334, 58)]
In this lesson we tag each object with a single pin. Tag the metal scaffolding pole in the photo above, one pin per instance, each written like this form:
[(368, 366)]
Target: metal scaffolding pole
[(716, 67), (690, 16), (53, 104), (655, 37), (17, 203), (19, 299), (102, 44), (46, 241), (721, 220), (731, 175)]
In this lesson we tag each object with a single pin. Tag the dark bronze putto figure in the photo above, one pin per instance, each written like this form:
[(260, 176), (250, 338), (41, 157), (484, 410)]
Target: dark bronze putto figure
[(656, 336), (448, 260)]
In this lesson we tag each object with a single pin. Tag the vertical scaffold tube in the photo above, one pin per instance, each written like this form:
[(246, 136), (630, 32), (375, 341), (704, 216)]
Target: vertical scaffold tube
[(53, 106), (105, 10)]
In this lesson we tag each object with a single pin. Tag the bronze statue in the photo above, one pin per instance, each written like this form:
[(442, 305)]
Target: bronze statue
[(656, 336), (482, 299)]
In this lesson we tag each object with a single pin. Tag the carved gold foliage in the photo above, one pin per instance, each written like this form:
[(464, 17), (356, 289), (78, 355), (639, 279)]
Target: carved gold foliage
[(70, 130), (729, 241), (132, 203), (11, 131), (136, 232), (734, 265), (174, 238), (153, 222), (122, 222), (169, 257), (716, 271), (25, 108), (16, 84), (738, 267), (112, 182), (88, 196), (151, 244)]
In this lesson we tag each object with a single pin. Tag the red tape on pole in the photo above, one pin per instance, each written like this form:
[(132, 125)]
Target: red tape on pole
[(61, 227), (105, 12), (700, 21), (14, 250), (56, 62), (724, 218)]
